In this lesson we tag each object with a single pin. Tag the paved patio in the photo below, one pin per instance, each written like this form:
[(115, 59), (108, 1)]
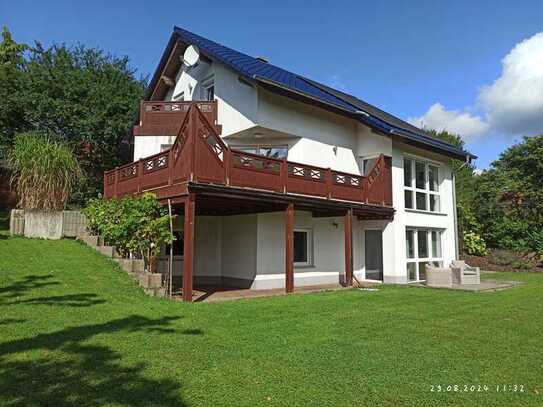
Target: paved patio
[(486, 285), (216, 294)]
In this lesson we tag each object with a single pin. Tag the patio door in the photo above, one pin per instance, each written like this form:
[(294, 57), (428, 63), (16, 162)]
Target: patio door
[(374, 254)]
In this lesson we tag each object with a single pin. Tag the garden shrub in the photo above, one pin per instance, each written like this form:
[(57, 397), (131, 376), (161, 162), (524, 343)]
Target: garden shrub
[(474, 244), (134, 225), (521, 264)]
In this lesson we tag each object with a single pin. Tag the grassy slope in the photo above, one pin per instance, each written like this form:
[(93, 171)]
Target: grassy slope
[(75, 330)]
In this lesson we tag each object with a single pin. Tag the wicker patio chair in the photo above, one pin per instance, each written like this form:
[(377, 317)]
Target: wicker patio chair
[(438, 277), (462, 273)]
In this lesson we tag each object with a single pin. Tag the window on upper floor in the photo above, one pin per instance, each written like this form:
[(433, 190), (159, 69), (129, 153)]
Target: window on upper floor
[(421, 185), (279, 152), (208, 88)]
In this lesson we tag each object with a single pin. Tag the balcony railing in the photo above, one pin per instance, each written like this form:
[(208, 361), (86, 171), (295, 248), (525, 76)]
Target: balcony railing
[(200, 155), (163, 118)]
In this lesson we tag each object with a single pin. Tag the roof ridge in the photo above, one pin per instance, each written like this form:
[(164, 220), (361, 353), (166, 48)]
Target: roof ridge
[(267, 73)]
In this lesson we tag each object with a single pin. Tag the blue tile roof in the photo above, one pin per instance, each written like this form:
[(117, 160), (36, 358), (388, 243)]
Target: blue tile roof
[(260, 71)]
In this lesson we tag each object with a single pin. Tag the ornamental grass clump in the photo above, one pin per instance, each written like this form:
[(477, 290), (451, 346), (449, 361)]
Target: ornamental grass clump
[(45, 172)]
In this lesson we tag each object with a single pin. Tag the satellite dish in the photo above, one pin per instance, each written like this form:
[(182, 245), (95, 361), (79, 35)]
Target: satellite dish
[(191, 56)]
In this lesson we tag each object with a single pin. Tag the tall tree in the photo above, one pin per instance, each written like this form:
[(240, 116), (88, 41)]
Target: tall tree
[(11, 89), (82, 96)]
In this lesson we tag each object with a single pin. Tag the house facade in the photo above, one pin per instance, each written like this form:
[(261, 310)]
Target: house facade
[(280, 181)]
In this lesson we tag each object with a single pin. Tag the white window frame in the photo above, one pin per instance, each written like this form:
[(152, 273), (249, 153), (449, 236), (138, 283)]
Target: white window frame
[(438, 260), (426, 190), (257, 147), (206, 84), (309, 248)]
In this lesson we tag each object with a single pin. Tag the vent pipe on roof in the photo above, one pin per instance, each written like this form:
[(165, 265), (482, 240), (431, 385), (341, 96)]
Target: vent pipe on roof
[(262, 59)]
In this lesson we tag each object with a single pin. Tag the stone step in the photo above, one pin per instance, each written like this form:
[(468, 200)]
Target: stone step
[(131, 265), (92, 241), (155, 292), (150, 280), (108, 251)]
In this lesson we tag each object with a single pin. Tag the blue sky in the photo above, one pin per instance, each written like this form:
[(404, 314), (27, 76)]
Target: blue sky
[(402, 56)]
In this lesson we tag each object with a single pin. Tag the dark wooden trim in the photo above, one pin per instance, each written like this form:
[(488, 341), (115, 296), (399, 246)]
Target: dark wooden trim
[(366, 211), (289, 248), (188, 247), (349, 247)]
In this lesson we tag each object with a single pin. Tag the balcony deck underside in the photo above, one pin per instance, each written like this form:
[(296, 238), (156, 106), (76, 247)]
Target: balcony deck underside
[(220, 200)]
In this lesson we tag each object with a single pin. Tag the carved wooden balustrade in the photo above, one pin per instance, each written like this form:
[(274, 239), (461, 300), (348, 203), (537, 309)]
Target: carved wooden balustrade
[(200, 155), (162, 118)]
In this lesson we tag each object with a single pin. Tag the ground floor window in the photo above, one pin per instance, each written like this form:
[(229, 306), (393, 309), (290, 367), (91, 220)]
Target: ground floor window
[(177, 245), (303, 247), (423, 246)]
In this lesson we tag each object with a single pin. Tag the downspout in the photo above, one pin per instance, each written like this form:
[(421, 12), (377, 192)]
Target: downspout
[(455, 212), (455, 216)]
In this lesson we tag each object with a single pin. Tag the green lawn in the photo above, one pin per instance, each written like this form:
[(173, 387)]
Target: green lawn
[(75, 330)]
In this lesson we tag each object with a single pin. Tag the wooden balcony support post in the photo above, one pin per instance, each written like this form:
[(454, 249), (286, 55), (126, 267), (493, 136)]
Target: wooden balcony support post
[(328, 176), (116, 181), (139, 171), (188, 247), (289, 248), (349, 247)]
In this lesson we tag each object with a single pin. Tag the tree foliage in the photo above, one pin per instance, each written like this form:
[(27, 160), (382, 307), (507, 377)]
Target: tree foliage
[(508, 198), (11, 90), (81, 96)]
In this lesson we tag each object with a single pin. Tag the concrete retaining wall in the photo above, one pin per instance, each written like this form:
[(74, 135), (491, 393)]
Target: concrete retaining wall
[(17, 222), (47, 224)]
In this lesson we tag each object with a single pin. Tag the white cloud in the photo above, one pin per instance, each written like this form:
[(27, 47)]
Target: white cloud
[(514, 102), (512, 105), (463, 123)]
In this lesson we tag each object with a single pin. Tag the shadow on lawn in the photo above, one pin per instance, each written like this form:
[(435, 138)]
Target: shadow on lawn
[(71, 300), (83, 374), (34, 282), (28, 283)]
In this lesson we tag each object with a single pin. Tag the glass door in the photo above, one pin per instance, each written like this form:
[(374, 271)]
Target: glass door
[(374, 254)]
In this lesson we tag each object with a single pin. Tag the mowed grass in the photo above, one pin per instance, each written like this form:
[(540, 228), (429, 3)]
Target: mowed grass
[(75, 330)]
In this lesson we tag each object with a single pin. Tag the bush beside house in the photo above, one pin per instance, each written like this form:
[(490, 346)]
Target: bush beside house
[(135, 226)]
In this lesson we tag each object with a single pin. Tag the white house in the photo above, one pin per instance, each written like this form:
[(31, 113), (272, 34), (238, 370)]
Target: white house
[(363, 191)]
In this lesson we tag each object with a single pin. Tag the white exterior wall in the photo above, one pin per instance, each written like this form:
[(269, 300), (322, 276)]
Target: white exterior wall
[(324, 139), (207, 248), (237, 103), (239, 242), (370, 144)]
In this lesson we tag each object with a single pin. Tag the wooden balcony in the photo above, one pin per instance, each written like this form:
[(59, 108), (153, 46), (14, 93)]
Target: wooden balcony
[(199, 157), (164, 118)]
